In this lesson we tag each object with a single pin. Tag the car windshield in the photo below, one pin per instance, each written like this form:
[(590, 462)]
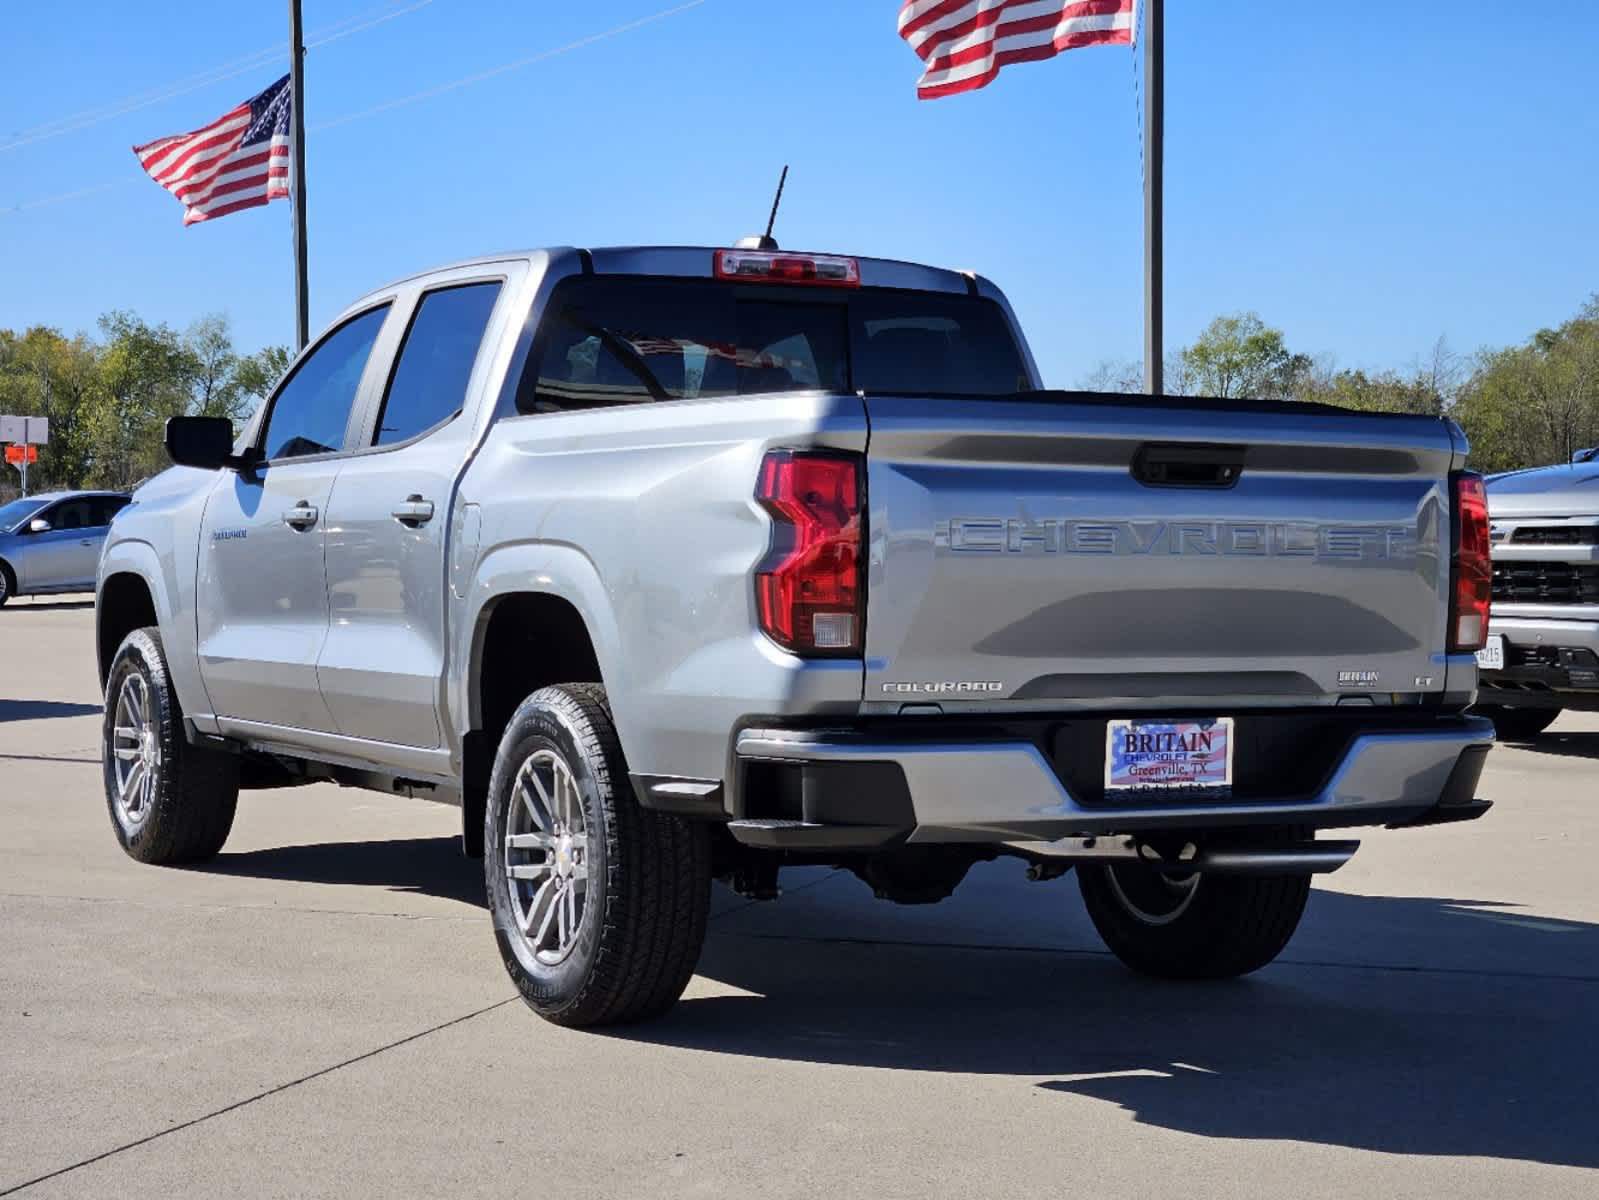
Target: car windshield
[(14, 514)]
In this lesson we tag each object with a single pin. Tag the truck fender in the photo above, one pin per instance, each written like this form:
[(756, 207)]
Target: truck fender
[(543, 568), (139, 558)]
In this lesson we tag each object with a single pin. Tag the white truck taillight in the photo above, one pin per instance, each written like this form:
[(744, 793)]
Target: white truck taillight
[(1471, 570), (809, 590)]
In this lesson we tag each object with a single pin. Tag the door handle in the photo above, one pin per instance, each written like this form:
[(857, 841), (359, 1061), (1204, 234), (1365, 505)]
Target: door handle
[(413, 511), (301, 516), (86, 542)]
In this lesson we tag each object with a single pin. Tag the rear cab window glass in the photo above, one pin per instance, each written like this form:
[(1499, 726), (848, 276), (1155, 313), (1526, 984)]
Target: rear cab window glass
[(107, 507), (311, 410), (622, 340), (428, 386), (939, 344)]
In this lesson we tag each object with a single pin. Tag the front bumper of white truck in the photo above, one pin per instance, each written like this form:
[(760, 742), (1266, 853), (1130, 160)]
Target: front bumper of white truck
[(862, 788)]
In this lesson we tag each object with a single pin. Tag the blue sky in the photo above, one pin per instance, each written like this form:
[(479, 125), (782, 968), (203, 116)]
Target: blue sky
[(1367, 177)]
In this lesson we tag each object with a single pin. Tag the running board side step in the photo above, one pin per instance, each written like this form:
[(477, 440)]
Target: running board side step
[(1218, 858)]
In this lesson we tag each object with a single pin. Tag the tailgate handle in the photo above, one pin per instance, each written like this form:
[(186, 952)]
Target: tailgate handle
[(1188, 465)]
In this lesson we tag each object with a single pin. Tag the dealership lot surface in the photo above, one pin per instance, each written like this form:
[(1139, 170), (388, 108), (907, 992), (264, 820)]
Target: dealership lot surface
[(322, 1011)]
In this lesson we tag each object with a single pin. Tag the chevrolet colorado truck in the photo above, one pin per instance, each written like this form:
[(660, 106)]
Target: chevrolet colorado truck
[(671, 565), (1542, 654)]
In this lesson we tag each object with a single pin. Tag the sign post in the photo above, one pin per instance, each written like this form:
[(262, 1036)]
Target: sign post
[(1154, 192), (27, 433), (302, 301)]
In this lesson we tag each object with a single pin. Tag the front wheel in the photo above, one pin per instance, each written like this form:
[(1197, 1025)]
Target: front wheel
[(599, 905), (1513, 724), (170, 802), (1193, 926)]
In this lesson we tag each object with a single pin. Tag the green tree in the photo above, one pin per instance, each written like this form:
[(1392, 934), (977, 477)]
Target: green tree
[(1240, 355), (1535, 403)]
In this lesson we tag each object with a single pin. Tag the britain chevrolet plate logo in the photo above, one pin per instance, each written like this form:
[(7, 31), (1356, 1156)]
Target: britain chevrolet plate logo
[(1233, 539)]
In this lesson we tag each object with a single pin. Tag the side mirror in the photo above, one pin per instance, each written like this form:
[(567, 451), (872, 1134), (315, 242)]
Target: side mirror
[(1588, 455), (38, 525), (204, 442)]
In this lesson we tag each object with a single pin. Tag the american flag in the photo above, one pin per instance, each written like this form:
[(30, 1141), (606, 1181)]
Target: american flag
[(240, 160), (964, 43)]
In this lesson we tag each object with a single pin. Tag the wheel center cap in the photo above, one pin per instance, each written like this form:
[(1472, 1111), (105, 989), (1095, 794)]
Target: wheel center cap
[(147, 748), (563, 855)]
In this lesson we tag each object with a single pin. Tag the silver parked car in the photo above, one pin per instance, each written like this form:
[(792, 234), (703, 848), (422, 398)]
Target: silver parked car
[(52, 542)]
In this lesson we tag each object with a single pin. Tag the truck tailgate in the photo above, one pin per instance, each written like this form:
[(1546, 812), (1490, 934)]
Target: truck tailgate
[(1071, 551)]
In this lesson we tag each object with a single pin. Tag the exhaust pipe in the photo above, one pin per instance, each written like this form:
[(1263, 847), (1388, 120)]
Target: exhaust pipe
[(1050, 860), (1306, 858)]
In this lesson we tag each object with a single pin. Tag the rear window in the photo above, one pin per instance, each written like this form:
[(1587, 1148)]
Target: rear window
[(622, 340)]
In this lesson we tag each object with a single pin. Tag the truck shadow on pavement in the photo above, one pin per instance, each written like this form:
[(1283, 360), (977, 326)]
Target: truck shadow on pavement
[(1564, 745), (1401, 1025), (38, 710), (428, 866), (1469, 1032)]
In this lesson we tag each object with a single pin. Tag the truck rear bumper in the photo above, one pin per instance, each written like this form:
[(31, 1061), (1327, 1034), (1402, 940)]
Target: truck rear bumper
[(845, 789), (1550, 664)]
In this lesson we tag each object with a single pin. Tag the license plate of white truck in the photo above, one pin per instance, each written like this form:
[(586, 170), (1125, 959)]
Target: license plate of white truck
[(1188, 756), (1492, 656)]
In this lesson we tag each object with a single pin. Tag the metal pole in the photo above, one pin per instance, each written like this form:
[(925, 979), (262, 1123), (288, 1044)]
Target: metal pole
[(1154, 192), (25, 444), (302, 297)]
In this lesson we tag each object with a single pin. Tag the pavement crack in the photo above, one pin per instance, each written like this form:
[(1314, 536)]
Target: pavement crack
[(272, 1091)]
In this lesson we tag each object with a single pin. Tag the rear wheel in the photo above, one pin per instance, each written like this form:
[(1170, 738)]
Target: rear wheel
[(1512, 724), (8, 584), (170, 802), (599, 905), (1193, 926)]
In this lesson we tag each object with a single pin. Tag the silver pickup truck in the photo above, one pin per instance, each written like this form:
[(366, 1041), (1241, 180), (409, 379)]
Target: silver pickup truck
[(1542, 654), (671, 565)]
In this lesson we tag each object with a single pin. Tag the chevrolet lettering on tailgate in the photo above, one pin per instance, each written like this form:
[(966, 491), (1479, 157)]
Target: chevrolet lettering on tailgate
[(1252, 539)]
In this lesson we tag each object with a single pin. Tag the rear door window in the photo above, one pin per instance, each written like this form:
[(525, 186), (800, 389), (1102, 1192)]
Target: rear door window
[(623, 340), (428, 386)]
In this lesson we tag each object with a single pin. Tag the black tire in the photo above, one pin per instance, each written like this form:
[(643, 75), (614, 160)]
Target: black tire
[(8, 583), (1193, 927), (1513, 724), (184, 813), (645, 898)]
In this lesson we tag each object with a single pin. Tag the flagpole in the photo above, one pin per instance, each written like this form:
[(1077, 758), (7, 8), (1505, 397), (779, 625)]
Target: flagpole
[(302, 300), (1154, 191)]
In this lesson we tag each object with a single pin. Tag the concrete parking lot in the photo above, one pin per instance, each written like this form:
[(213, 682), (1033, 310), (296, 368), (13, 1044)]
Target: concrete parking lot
[(321, 1011)]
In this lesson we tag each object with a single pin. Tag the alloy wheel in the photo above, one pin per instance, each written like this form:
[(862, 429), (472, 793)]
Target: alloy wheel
[(1152, 897), (547, 856), (136, 749)]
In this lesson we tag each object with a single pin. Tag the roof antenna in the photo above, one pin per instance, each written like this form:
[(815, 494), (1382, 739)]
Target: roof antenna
[(766, 241)]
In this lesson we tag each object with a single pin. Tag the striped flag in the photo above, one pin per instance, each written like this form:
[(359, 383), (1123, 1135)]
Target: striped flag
[(964, 43), (240, 160)]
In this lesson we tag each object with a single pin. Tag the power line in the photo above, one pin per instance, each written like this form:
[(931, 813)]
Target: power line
[(429, 93), (506, 67), (204, 79)]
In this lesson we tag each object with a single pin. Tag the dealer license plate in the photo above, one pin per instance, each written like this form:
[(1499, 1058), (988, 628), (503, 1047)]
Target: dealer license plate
[(1169, 755), (1492, 656)]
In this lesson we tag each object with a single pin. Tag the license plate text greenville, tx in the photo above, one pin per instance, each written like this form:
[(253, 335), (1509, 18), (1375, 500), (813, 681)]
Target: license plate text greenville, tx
[(1162, 755)]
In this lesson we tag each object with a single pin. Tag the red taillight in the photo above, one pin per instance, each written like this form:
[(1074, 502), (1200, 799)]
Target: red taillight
[(809, 593), (769, 266), (1472, 573)]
